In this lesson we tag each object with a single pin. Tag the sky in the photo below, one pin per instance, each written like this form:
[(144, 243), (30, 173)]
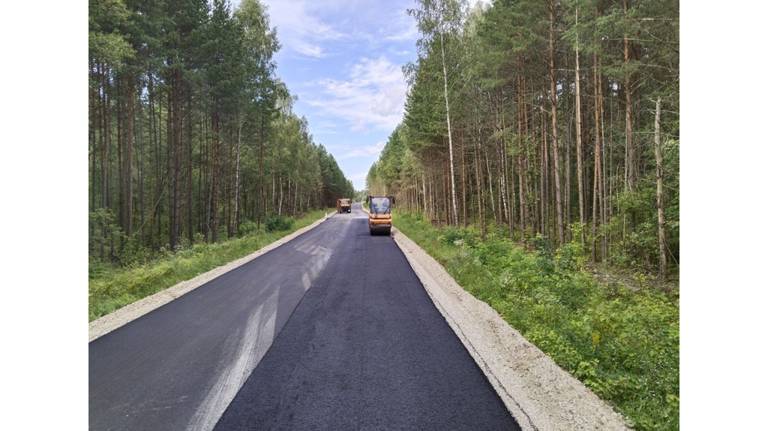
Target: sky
[(343, 60)]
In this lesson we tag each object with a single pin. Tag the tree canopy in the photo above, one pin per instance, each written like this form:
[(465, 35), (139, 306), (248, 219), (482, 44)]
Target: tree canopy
[(534, 153)]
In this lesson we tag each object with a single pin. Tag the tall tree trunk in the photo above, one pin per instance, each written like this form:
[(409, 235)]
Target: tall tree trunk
[(130, 104), (189, 170), (95, 123), (606, 166), (579, 167), (520, 165), (566, 167), (597, 186), (630, 175), (105, 144), (237, 175), (128, 149), (463, 181), (202, 179), (609, 172), (478, 180), (140, 163), (425, 193), (215, 150), (509, 170), (455, 213), (490, 186), (102, 148), (160, 174), (262, 197), (553, 102), (660, 192), (120, 113), (227, 181), (502, 167), (544, 176), (175, 142), (105, 127)]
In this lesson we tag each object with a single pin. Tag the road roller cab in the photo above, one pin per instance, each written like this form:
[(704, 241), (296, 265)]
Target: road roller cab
[(380, 214)]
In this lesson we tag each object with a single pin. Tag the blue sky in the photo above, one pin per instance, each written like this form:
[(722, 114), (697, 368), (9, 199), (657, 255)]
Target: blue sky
[(343, 59)]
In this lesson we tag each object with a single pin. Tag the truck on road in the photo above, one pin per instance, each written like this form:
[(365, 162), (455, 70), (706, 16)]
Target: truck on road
[(380, 214), (344, 205)]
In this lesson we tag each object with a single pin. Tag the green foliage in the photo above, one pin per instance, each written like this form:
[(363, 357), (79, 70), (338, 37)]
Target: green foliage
[(112, 286), (104, 232), (105, 42), (500, 97), (109, 48), (622, 344), (247, 227), (571, 255), (278, 223), (335, 184)]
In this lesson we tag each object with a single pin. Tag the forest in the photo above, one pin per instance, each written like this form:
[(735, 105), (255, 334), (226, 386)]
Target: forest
[(538, 162), (553, 120), (192, 134)]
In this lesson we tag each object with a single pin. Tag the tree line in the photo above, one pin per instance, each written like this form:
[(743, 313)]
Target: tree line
[(556, 120), (191, 133)]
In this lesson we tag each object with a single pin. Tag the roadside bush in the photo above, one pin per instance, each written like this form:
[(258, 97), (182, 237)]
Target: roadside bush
[(278, 223), (457, 236), (247, 227), (570, 256), (104, 234), (134, 252)]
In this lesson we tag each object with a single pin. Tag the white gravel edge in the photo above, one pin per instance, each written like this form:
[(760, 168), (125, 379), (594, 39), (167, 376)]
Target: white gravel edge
[(108, 323), (536, 391)]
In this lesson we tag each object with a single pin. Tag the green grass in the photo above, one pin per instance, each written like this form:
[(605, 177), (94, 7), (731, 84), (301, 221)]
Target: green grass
[(111, 287), (622, 344)]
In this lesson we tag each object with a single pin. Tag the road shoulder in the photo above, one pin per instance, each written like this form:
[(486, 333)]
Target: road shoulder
[(536, 391), (133, 311)]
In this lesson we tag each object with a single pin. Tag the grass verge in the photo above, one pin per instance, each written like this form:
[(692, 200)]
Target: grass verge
[(111, 287), (622, 344)]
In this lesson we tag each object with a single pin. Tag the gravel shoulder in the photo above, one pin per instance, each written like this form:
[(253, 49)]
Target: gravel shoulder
[(540, 394)]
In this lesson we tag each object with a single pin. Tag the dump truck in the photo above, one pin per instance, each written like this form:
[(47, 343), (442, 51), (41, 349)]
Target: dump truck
[(380, 214), (344, 205)]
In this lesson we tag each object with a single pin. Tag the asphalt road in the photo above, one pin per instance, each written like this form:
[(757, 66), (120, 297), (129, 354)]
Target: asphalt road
[(356, 343)]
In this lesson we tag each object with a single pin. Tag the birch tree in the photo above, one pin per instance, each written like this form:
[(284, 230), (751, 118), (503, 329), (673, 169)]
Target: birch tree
[(439, 20)]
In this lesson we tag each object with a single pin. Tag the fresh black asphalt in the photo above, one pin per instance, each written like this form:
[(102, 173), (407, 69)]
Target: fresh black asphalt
[(362, 348)]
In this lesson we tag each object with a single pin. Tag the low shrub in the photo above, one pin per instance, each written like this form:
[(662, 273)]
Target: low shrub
[(247, 227), (278, 223)]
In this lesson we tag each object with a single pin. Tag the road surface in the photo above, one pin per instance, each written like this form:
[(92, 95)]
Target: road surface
[(356, 343)]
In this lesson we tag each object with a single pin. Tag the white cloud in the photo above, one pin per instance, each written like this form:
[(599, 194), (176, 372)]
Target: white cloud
[(409, 33), (372, 95), (308, 49), (365, 151), (483, 3), (299, 29), (402, 28)]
